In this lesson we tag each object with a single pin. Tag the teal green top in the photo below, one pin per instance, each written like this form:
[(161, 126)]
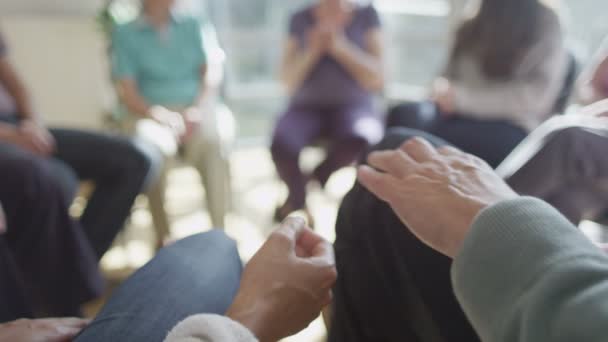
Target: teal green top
[(526, 274), (165, 65)]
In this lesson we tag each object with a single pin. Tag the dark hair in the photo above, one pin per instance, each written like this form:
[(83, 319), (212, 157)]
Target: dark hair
[(500, 35)]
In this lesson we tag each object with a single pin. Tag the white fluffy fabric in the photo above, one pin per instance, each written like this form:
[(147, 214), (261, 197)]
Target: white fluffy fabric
[(209, 328)]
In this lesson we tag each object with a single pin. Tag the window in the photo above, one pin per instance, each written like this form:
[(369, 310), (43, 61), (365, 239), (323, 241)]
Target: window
[(417, 38)]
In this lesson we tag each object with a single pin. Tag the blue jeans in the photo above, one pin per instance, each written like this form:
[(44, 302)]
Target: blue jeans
[(200, 274)]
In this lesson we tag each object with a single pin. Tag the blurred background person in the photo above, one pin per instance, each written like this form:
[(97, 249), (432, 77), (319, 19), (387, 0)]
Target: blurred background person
[(47, 265), (506, 71), (168, 84), (332, 66), (117, 167)]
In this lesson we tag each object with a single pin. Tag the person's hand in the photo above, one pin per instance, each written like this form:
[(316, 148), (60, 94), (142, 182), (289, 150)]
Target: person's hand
[(170, 119), (42, 330), (443, 96), (34, 138), (436, 193), (318, 40), (338, 41), (193, 117), (286, 284), (598, 109)]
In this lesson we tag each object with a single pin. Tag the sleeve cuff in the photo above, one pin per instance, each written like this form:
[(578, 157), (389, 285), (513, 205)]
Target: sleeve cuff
[(209, 328)]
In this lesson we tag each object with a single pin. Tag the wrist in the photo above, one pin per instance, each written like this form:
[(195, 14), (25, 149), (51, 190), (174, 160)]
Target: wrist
[(251, 316)]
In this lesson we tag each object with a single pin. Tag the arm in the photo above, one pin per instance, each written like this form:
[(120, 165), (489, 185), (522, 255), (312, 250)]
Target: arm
[(526, 274), (16, 89), (301, 277), (366, 66), (297, 63), (593, 89), (521, 271), (539, 79), (30, 133), (130, 96)]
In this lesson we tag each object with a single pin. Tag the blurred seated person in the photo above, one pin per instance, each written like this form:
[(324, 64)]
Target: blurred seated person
[(47, 265), (118, 168), (505, 73), (167, 81), (332, 65)]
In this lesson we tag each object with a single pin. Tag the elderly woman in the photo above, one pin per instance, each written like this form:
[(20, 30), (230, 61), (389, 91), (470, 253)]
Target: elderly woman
[(332, 65), (165, 79)]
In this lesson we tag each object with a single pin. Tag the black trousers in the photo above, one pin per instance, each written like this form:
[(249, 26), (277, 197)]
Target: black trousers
[(47, 266), (391, 287), (118, 167)]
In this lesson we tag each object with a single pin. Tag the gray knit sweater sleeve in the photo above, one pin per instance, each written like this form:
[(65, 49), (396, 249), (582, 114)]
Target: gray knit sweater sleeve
[(525, 274)]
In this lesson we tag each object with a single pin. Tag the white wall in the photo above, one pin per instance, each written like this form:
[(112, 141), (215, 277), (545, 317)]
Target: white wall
[(10, 7), (63, 60)]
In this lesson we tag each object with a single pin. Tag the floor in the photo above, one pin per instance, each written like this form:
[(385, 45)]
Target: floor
[(256, 194)]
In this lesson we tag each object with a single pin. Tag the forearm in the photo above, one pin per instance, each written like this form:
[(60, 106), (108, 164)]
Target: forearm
[(24, 106), (526, 274), (7, 132), (296, 68), (136, 104), (364, 67)]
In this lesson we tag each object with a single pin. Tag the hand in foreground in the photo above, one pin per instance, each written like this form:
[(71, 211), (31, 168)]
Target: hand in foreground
[(42, 330), (286, 284), (35, 138), (436, 193)]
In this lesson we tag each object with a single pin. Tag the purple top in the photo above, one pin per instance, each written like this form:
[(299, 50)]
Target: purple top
[(7, 103), (329, 83)]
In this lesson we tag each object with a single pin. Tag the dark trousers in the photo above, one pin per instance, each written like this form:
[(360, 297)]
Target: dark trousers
[(119, 170), (347, 130), (47, 266), (490, 140), (118, 167), (391, 286), (200, 274)]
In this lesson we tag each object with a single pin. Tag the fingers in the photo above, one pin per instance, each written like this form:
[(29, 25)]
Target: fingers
[(449, 151), (380, 184), (419, 149), (396, 163), (289, 232)]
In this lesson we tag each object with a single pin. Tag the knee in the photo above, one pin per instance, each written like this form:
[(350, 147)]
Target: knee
[(150, 161), (411, 114), (284, 146), (395, 137), (35, 178), (137, 162)]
